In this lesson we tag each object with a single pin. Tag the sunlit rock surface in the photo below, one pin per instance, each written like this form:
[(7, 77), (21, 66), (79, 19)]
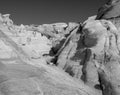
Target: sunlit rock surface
[(26, 60), (109, 10), (59, 58)]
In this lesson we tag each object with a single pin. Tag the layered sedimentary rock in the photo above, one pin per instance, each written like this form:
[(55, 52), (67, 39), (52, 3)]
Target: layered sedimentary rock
[(59, 58), (27, 54)]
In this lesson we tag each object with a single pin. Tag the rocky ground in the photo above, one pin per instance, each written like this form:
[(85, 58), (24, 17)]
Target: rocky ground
[(59, 58)]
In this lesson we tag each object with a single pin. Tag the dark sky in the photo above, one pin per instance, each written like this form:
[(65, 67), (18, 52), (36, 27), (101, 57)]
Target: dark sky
[(49, 11)]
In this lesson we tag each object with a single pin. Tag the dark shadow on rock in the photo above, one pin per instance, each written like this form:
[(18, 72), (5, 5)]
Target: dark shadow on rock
[(69, 71), (98, 86), (90, 42), (55, 49), (80, 52), (80, 43), (85, 63)]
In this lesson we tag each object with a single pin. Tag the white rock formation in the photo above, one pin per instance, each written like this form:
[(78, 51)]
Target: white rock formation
[(60, 58), (24, 54)]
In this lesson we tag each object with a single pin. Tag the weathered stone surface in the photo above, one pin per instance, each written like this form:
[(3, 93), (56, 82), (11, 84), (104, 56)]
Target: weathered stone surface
[(110, 10), (61, 59), (25, 52), (101, 67), (92, 55), (25, 79)]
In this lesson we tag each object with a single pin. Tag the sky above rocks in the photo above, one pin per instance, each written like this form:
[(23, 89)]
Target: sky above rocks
[(49, 11)]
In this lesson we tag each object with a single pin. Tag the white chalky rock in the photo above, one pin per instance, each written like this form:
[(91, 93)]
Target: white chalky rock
[(59, 27), (36, 46), (31, 42), (5, 51)]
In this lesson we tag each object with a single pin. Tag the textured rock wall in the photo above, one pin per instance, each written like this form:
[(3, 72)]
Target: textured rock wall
[(60, 58), (27, 55)]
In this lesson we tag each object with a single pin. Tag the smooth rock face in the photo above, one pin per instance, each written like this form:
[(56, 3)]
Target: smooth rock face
[(60, 58), (104, 58)]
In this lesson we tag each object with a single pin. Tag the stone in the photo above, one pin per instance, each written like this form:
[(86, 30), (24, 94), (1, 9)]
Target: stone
[(25, 61), (62, 59), (110, 10), (107, 47)]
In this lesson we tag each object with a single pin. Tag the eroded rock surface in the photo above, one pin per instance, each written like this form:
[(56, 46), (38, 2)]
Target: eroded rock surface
[(60, 58), (92, 55), (110, 10), (26, 59)]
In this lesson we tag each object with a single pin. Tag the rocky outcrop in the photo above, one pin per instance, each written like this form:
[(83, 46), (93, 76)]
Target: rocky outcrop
[(60, 58), (110, 10), (92, 55), (27, 54)]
